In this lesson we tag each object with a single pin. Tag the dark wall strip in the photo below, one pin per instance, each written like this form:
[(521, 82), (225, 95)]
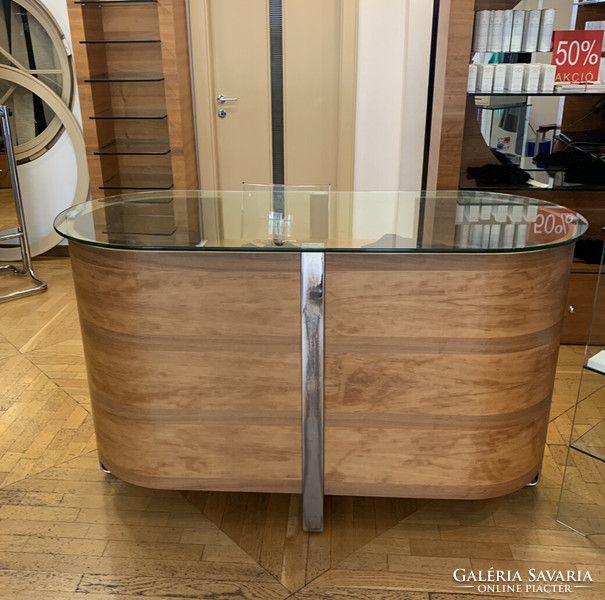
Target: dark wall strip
[(277, 89)]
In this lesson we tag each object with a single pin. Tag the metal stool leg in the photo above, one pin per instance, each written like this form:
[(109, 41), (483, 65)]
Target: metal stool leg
[(20, 232)]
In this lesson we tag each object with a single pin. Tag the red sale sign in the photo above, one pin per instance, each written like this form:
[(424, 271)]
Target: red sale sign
[(577, 55), (553, 223)]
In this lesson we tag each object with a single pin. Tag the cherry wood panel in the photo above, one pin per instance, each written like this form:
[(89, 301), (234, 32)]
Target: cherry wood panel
[(440, 370), (194, 366)]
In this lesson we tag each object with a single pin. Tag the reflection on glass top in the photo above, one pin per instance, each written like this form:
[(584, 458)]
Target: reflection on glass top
[(282, 221)]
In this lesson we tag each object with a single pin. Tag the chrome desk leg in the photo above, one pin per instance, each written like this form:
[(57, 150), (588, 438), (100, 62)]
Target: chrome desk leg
[(20, 232), (312, 310)]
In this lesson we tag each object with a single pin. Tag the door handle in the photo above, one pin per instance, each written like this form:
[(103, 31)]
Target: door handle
[(221, 99)]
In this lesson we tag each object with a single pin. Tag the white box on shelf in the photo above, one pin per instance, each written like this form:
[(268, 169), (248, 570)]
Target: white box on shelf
[(499, 78), (472, 213), (494, 235), (516, 213), (596, 25), (531, 213), (471, 85), (521, 232), (462, 234), (476, 235), (531, 30), (547, 22), (514, 77), (507, 30), (531, 77), (500, 213), (485, 235), (485, 78), (516, 37), (496, 31), (597, 362), (547, 78), (508, 236), (481, 30)]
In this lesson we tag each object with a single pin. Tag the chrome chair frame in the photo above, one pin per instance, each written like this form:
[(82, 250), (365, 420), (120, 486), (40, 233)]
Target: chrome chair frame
[(19, 232)]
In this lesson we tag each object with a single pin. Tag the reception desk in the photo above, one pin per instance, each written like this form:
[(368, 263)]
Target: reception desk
[(384, 344)]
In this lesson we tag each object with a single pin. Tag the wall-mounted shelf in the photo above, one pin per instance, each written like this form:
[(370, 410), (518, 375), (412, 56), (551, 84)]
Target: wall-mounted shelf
[(125, 78), (120, 42), (131, 181), (135, 147), (132, 63), (131, 113), (544, 94), (113, 2)]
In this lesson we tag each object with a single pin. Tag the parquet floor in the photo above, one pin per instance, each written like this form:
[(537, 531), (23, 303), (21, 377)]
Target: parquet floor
[(69, 532)]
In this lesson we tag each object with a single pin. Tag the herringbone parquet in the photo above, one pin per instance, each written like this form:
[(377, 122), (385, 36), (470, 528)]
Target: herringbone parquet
[(69, 532)]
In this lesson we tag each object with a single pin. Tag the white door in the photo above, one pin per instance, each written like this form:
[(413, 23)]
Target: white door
[(231, 57)]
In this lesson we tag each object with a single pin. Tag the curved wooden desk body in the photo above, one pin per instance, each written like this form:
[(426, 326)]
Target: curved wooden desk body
[(439, 366)]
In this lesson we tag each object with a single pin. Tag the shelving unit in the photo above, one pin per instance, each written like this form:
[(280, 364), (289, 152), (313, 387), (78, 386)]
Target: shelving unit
[(582, 500), (457, 142), (132, 65)]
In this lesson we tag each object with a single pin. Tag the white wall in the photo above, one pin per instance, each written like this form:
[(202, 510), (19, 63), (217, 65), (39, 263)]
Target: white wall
[(392, 77), (394, 43)]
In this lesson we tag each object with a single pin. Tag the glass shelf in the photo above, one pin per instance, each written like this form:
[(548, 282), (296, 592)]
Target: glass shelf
[(131, 113), (124, 77), (587, 2), (546, 94), (135, 147), (106, 2), (120, 42), (133, 181)]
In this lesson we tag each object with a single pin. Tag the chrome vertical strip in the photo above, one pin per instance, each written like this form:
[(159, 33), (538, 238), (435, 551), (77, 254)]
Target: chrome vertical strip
[(312, 311)]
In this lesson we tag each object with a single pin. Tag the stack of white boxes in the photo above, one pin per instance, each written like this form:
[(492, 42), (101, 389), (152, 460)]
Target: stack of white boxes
[(513, 78)]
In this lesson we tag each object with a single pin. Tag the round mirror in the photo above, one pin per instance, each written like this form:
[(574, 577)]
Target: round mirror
[(32, 42)]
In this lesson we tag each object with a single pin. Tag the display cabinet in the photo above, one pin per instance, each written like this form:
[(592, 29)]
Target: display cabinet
[(582, 501), (132, 66)]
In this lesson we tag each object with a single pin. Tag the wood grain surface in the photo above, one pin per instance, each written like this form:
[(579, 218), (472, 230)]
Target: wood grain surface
[(194, 362), (439, 368), (439, 371)]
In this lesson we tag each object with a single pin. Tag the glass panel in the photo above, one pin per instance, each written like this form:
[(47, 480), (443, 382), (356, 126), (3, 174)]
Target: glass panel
[(114, 1), (132, 113), (582, 501), (120, 41), (135, 147), (338, 221), (132, 181), (117, 77)]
